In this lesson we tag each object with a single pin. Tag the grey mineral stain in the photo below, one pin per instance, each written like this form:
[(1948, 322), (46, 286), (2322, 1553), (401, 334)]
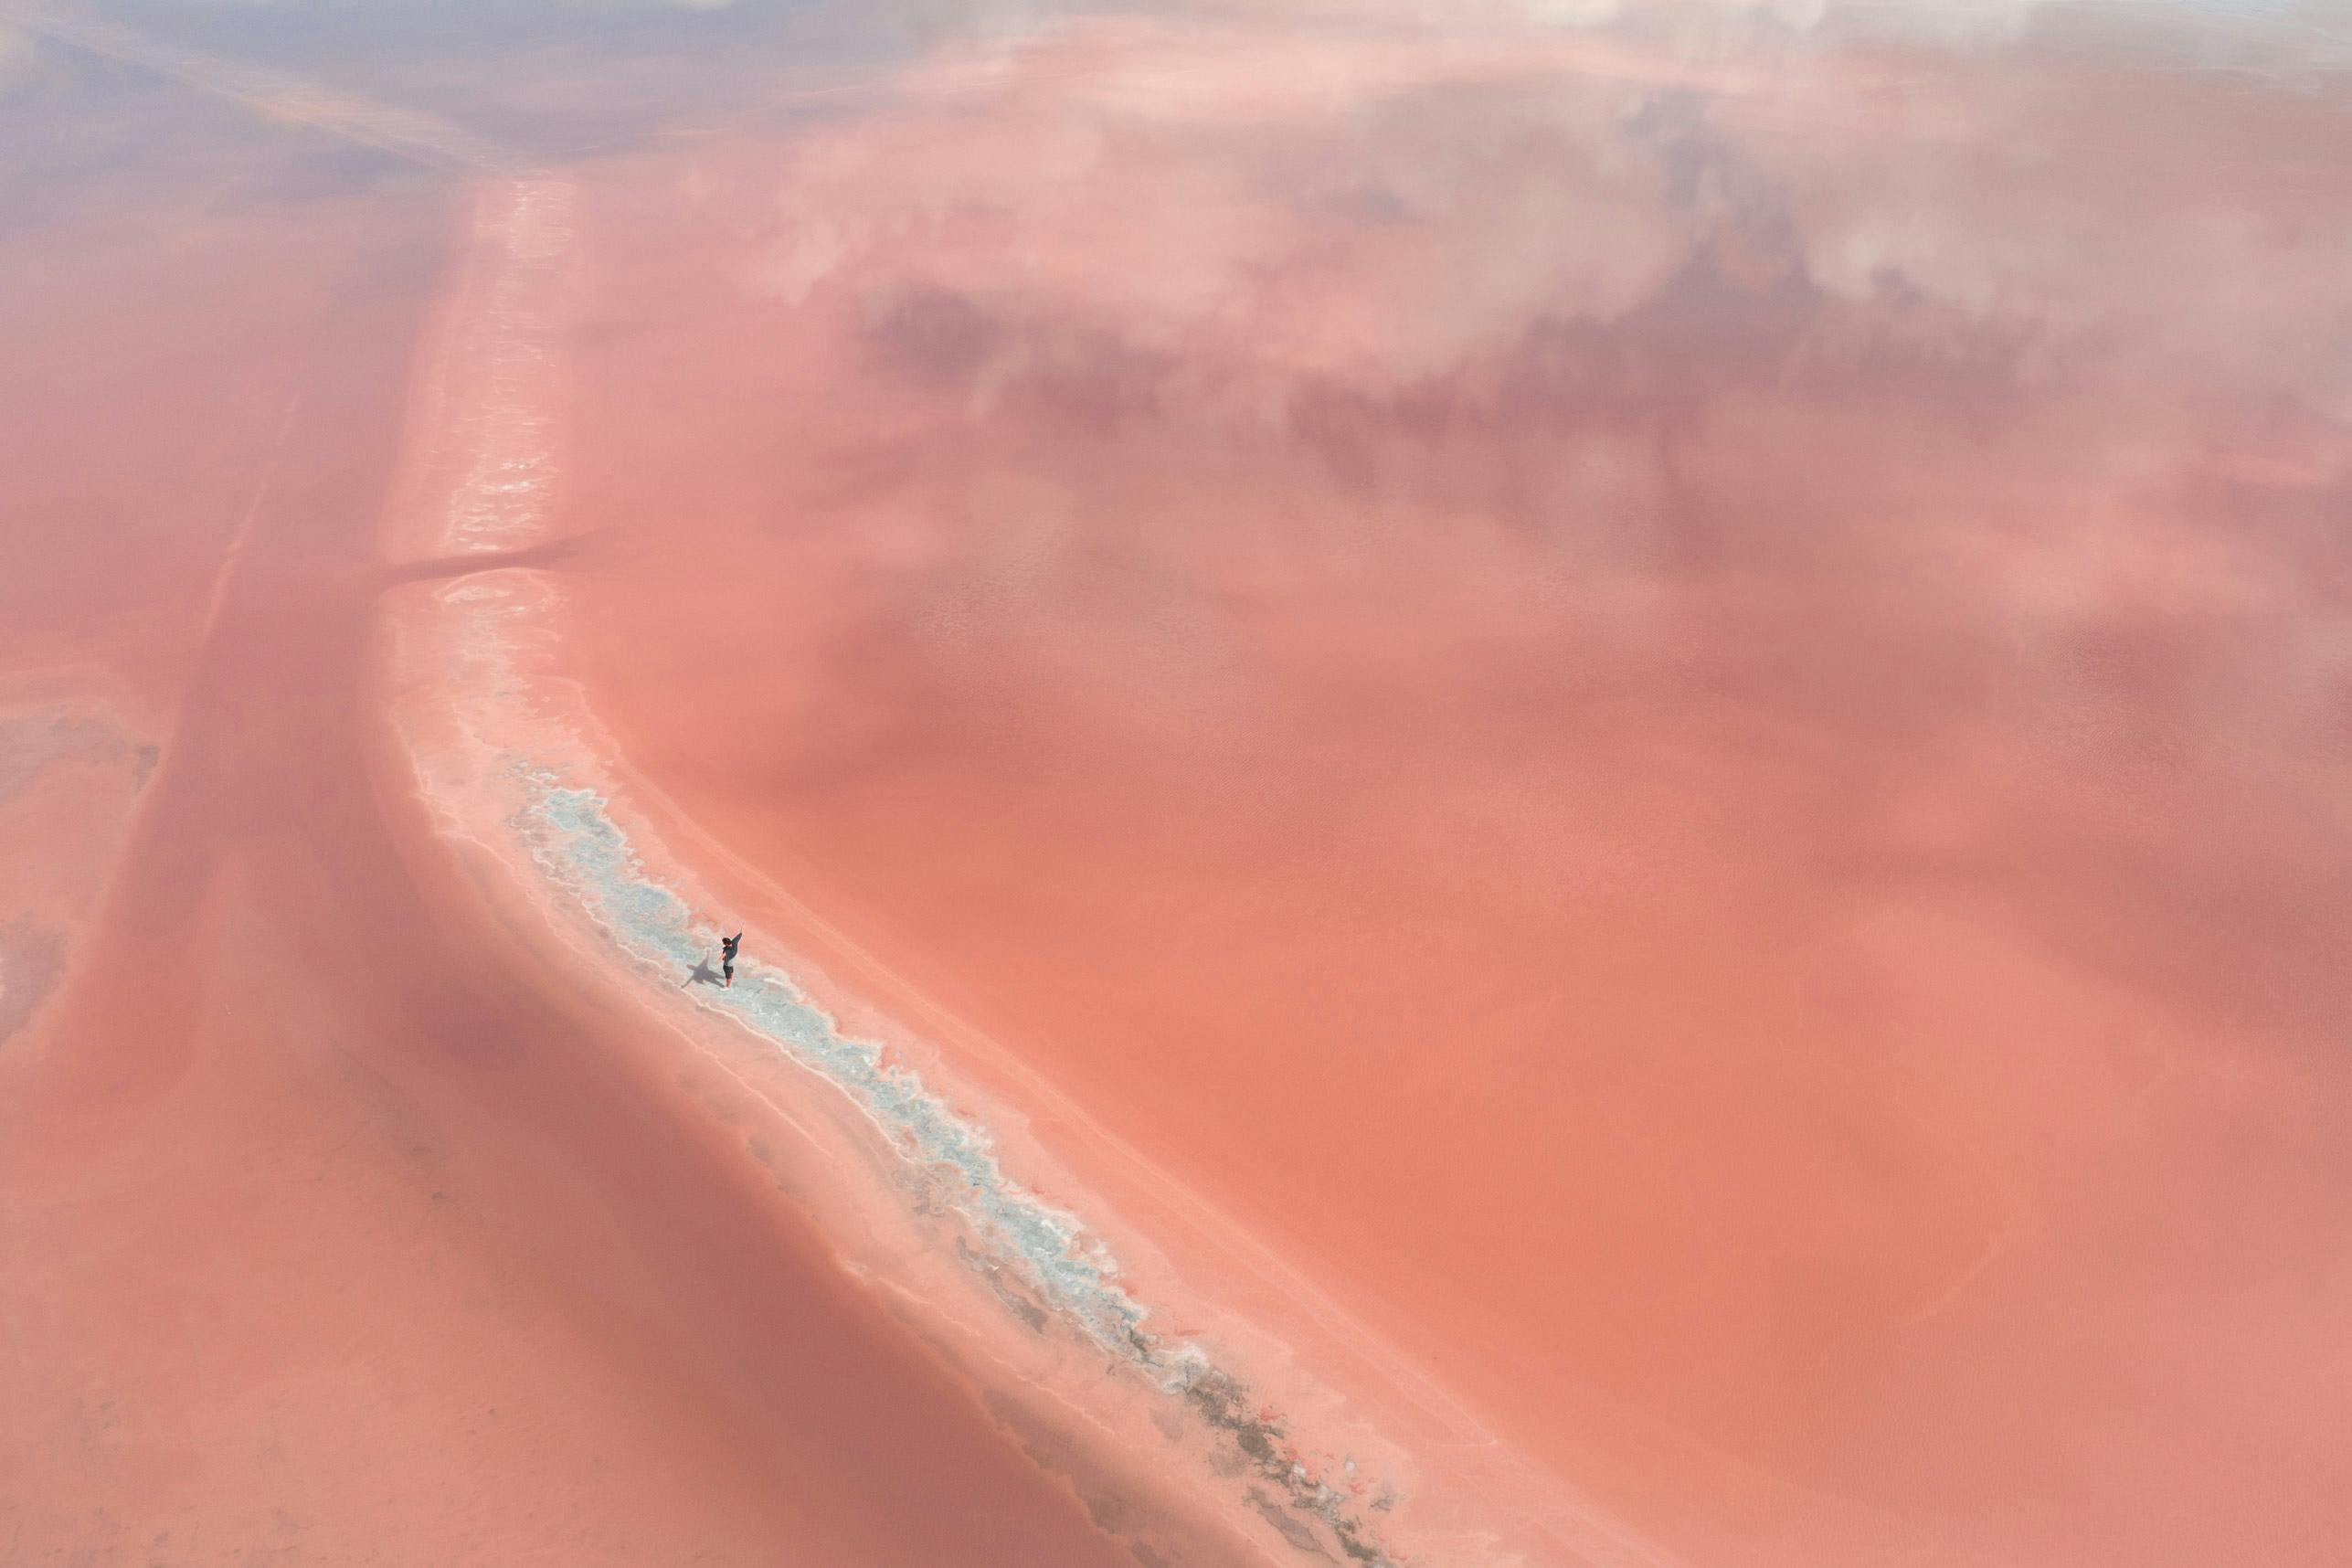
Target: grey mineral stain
[(31, 742), (1016, 1301), (1291, 1529), (31, 958)]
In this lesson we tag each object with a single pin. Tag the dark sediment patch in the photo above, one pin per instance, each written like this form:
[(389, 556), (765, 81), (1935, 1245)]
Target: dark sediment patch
[(1289, 1529), (1017, 1299), (1224, 1404)]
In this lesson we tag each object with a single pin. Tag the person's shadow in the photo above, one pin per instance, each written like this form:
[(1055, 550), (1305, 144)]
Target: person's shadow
[(703, 974)]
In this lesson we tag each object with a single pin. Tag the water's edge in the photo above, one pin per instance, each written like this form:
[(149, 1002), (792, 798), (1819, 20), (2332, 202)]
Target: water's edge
[(1066, 1273)]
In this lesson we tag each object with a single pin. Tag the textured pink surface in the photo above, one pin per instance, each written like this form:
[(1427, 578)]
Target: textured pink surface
[(1678, 746), (1629, 740)]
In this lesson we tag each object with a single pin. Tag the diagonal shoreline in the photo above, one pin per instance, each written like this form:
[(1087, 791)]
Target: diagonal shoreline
[(1043, 1268), (579, 849), (507, 762), (487, 437)]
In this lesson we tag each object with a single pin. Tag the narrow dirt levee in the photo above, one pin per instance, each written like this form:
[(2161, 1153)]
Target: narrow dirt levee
[(340, 1223)]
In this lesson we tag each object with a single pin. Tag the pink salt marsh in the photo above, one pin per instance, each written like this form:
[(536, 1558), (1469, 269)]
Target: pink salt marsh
[(344, 1216), (1674, 745), (1616, 732)]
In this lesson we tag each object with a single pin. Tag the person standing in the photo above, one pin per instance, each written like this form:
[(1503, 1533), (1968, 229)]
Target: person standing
[(728, 945)]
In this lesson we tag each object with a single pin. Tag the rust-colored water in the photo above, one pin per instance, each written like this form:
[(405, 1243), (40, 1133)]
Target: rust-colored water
[(1674, 739), (1632, 724)]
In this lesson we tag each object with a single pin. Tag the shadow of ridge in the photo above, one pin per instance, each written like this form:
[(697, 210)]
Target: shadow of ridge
[(550, 553)]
